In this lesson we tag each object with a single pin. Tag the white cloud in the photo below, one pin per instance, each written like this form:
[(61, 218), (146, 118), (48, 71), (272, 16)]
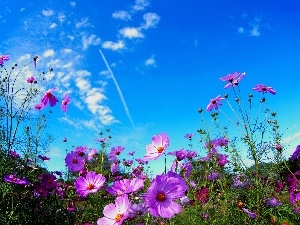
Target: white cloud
[(48, 12), (113, 45), (48, 53), (83, 23), (122, 15), (61, 17), (67, 50), (254, 31), (53, 25), (83, 84), (151, 20), (241, 30), (140, 5), (131, 32), (90, 40), (292, 138), (150, 61), (73, 4)]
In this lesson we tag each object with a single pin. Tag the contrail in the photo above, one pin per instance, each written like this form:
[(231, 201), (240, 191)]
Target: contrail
[(119, 90)]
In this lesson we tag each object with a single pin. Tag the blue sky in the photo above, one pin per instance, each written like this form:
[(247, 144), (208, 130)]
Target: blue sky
[(166, 58)]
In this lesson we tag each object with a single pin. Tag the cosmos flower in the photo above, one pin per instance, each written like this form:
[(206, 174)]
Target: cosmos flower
[(91, 154), (273, 202), (180, 154), (233, 79), (15, 180), (296, 153), (14, 154), (74, 162), (137, 210), (202, 195), (191, 154), (131, 153), (114, 167), (127, 163), (189, 136), (91, 183), (214, 103), (49, 97), (157, 147), (65, 102), (3, 58), (48, 181), (160, 196), (213, 176), (278, 187), (295, 201), (125, 186), (222, 160), (30, 80), (80, 151), (114, 152), (115, 214), (250, 214), (44, 158), (264, 89), (241, 181), (39, 106)]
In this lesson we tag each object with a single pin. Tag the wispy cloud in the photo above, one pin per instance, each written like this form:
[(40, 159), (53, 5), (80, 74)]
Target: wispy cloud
[(83, 23), (150, 61), (121, 15), (140, 5), (131, 32), (292, 138), (48, 12), (118, 89), (151, 20), (113, 45), (88, 40), (252, 28), (48, 53), (73, 4)]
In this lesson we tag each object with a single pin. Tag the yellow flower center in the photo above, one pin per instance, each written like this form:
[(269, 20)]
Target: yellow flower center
[(118, 217), (160, 149)]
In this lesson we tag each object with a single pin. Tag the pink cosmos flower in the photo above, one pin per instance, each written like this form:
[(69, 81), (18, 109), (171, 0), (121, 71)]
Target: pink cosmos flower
[(15, 180), (214, 103), (157, 147), (65, 102), (3, 58), (114, 167), (14, 154), (189, 136), (91, 154), (125, 186), (49, 97), (233, 79), (160, 196), (115, 214), (264, 89), (30, 80), (91, 183)]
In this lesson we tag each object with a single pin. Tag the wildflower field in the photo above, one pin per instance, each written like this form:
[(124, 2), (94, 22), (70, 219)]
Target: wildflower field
[(105, 186)]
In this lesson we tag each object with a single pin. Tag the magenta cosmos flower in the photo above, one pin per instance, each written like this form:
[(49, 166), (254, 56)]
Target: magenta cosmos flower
[(114, 152), (44, 158), (91, 183), (3, 58), (160, 196), (214, 103), (65, 102), (39, 106), (49, 97), (233, 79), (264, 89), (250, 214), (157, 147), (15, 180), (30, 80), (74, 162), (296, 153), (115, 214)]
